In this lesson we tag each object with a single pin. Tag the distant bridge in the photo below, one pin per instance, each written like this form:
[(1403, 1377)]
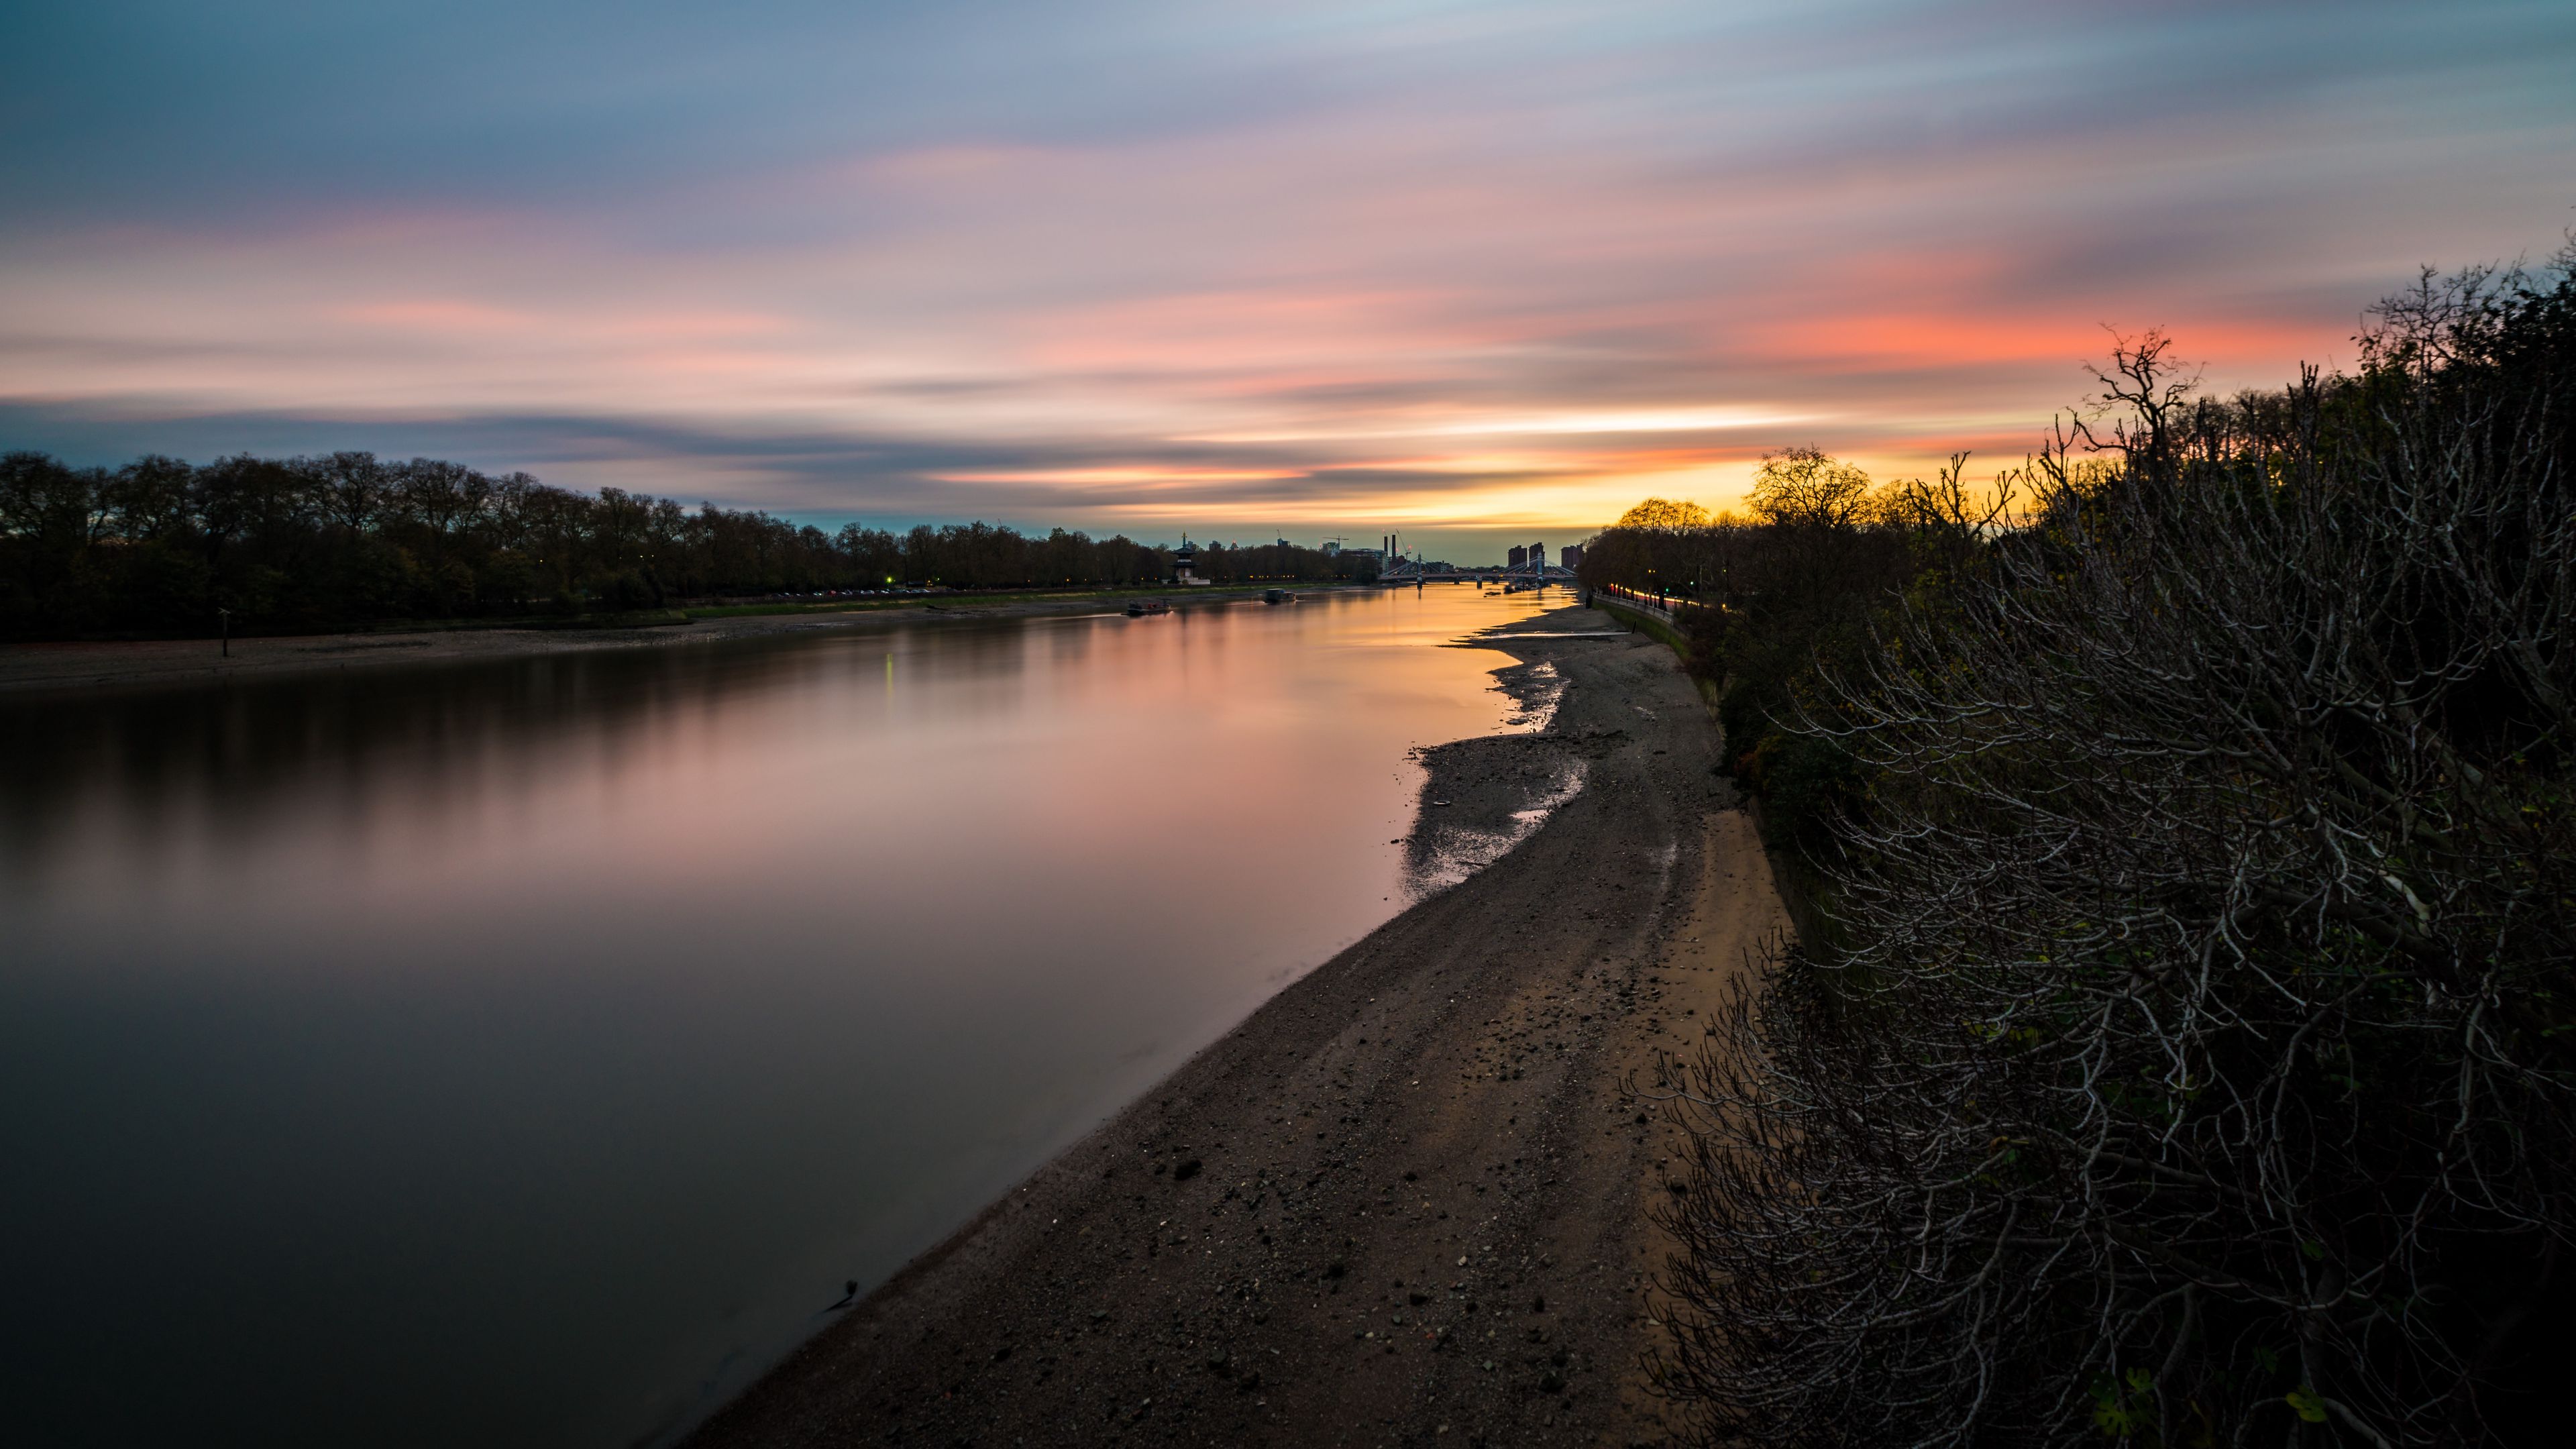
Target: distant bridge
[(1408, 571)]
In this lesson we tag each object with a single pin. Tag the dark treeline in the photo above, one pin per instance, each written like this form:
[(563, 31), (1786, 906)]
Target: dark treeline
[(2184, 1051), (1804, 580), (159, 546)]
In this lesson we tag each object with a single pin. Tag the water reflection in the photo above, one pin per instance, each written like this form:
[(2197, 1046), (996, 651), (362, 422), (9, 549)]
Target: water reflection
[(525, 1052)]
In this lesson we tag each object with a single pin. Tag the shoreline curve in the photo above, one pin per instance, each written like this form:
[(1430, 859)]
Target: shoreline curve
[(1404, 1198)]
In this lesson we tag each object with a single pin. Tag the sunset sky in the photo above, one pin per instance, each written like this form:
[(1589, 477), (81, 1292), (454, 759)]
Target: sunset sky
[(1306, 268)]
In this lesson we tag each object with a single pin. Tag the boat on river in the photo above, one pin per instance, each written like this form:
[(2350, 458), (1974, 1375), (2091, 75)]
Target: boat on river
[(1138, 607), (1277, 596)]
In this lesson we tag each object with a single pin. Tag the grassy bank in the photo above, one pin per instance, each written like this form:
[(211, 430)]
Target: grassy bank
[(693, 613), (89, 663), (1646, 624), (973, 601)]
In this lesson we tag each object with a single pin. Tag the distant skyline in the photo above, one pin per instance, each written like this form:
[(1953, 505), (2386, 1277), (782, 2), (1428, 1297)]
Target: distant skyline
[(1483, 273)]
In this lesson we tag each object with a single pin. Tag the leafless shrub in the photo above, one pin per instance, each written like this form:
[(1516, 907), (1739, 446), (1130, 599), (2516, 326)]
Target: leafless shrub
[(2196, 1065)]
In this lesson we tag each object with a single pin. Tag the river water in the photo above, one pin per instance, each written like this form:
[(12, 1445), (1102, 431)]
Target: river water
[(525, 1053)]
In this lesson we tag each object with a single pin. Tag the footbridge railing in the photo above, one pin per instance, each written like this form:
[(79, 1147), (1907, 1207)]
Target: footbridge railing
[(1661, 606)]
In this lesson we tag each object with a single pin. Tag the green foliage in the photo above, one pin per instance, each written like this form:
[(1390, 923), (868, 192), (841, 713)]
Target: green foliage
[(2304, 1402), (1805, 784), (2124, 1406)]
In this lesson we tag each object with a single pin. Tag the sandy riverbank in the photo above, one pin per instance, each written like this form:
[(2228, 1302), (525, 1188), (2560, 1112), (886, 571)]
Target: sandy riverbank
[(88, 664), (1403, 1202)]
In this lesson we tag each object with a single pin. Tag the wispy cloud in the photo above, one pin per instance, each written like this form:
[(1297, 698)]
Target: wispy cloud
[(1143, 261)]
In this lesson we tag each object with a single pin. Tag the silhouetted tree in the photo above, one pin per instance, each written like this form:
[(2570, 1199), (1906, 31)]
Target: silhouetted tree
[(308, 543)]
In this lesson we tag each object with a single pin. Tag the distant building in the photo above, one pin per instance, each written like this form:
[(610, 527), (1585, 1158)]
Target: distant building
[(1538, 556), (1570, 556), (1185, 562), (1520, 556)]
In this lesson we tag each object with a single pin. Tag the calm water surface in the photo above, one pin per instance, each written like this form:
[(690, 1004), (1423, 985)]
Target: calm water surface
[(524, 1053)]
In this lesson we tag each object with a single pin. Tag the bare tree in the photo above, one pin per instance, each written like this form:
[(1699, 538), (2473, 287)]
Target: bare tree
[(1665, 515), (1805, 487)]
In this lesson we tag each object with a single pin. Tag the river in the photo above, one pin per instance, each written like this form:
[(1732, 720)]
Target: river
[(526, 1053)]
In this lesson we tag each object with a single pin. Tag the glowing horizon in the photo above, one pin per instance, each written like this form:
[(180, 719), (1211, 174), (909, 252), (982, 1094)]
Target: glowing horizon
[(1460, 267)]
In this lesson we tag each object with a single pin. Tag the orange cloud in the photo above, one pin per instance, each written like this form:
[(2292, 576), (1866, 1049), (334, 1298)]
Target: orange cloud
[(1116, 475)]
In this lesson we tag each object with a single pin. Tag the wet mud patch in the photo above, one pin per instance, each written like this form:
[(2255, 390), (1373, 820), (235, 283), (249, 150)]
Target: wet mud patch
[(1483, 796), (1536, 687)]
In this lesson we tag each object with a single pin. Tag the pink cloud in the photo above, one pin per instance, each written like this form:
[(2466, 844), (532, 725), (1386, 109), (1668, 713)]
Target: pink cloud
[(451, 316), (1502, 294)]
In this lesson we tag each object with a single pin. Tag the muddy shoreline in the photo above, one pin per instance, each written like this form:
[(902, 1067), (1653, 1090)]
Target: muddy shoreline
[(1404, 1201), (87, 664)]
